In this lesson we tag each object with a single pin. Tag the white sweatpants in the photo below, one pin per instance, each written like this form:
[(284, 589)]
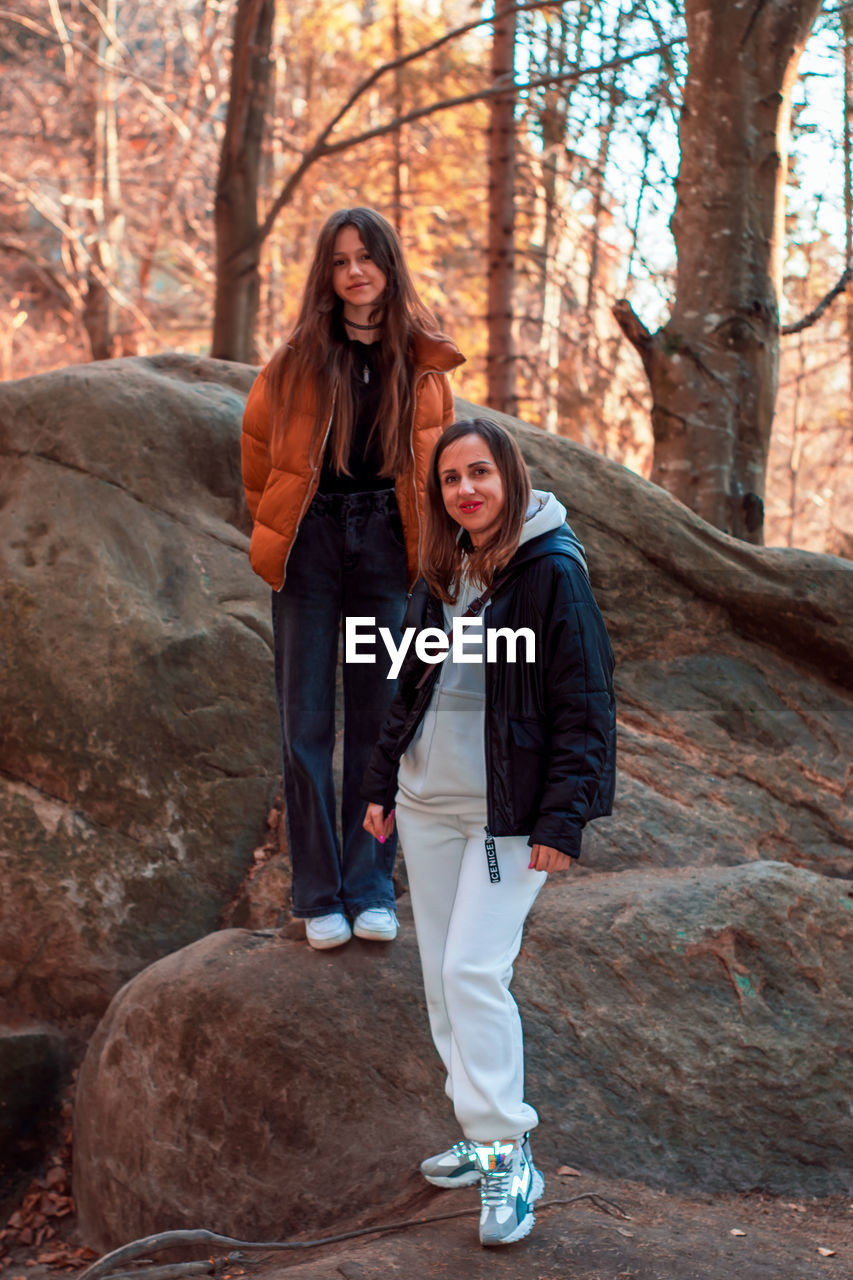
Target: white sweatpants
[(469, 932)]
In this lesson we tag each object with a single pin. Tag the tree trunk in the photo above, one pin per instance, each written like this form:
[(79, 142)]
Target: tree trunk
[(401, 177), (101, 314), (554, 269), (500, 357), (847, 39), (238, 247), (553, 114), (713, 368)]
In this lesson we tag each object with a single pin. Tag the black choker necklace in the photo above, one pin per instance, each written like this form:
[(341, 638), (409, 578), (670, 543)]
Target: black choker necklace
[(352, 324)]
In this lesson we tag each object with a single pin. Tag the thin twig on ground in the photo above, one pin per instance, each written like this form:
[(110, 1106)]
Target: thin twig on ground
[(171, 1239)]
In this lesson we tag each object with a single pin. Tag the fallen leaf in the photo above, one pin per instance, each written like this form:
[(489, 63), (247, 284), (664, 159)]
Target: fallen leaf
[(736, 1232), (798, 1208), (826, 1253), (623, 1231), (566, 1171)]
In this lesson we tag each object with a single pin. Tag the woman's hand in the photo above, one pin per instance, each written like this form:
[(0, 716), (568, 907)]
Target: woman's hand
[(376, 824), (544, 858)]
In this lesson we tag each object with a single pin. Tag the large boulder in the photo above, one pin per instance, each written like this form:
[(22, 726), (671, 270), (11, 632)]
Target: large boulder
[(696, 1027), (684, 1027), (734, 677), (140, 747), (139, 738), (140, 744), (271, 1085)]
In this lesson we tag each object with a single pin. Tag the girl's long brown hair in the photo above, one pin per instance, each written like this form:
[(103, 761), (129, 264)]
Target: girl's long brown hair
[(318, 353), (444, 550)]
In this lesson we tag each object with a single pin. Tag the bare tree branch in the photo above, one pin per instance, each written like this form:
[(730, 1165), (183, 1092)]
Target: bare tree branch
[(105, 1265), (109, 31), (78, 242), (40, 267), (395, 63), (321, 149), (151, 94), (64, 37), (632, 326), (815, 315), (832, 363)]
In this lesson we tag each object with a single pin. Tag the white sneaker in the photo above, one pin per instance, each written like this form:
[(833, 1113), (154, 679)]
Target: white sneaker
[(510, 1185), (324, 932), (379, 924)]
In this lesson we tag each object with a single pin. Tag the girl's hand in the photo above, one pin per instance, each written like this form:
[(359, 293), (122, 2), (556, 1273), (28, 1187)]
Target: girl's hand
[(544, 858), (376, 824)]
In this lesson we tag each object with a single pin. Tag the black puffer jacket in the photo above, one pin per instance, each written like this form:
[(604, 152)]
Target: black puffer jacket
[(550, 727)]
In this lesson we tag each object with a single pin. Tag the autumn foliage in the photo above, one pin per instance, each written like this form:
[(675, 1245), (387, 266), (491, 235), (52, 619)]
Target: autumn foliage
[(112, 126)]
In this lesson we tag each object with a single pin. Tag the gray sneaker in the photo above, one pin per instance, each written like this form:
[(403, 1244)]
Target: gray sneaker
[(453, 1168), (510, 1185)]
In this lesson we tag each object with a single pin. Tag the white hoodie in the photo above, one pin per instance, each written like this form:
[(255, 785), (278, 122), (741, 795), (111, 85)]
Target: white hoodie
[(445, 761)]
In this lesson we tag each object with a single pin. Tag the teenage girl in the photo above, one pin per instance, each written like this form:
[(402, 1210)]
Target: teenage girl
[(337, 435), (494, 767)]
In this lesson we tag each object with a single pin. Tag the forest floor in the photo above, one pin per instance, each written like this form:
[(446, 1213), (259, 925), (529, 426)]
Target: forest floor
[(662, 1236)]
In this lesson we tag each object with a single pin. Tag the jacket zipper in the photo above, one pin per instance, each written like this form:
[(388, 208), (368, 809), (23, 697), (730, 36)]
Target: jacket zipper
[(311, 490), (487, 753), (486, 735), (417, 383)]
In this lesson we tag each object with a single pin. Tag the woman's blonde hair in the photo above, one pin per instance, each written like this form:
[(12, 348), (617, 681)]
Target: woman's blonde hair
[(445, 550), (318, 353)]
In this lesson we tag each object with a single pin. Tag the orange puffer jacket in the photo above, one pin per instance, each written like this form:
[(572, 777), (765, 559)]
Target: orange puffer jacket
[(280, 479)]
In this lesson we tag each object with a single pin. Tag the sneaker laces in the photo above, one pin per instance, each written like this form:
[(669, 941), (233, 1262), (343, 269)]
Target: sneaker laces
[(494, 1189)]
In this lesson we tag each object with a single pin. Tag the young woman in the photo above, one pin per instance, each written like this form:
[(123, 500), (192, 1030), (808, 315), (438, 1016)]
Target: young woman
[(494, 767), (337, 434)]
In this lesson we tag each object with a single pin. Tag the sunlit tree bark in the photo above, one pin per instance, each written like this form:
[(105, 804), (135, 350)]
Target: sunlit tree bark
[(500, 357), (552, 114), (847, 135), (713, 367), (102, 317), (238, 245), (400, 168)]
